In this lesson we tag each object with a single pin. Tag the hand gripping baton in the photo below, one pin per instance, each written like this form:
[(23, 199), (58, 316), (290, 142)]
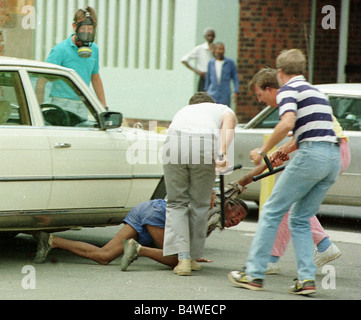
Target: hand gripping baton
[(270, 168)]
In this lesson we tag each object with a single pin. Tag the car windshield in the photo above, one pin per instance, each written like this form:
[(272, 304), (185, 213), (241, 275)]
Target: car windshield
[(347, 111)]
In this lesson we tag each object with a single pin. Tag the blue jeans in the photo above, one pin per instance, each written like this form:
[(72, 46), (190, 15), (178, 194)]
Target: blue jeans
[(303, 185)]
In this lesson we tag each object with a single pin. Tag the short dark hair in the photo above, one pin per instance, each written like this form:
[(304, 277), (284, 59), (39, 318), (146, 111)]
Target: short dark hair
[(200, 97), (264, 78)]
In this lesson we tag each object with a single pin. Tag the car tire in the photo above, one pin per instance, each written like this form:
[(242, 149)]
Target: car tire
[(8, 235)]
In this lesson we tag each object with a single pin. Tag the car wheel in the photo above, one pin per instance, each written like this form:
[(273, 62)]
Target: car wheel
[(8, 235)]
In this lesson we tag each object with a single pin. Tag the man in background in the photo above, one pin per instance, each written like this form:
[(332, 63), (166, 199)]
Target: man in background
[(221, 72), (201, 54)]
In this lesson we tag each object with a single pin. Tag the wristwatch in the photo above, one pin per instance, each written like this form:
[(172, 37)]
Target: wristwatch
[(259, 151)]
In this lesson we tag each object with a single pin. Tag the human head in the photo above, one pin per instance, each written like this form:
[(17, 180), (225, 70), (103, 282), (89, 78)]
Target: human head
[(219, 49), (264, 85), (80, 15), (290, 63), (235, 211), (209, 34), (84, 25), (201, 97)]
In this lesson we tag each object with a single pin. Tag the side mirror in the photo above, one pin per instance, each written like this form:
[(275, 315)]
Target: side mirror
[(110, 120)]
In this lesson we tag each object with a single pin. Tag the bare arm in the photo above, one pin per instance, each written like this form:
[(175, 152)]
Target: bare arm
[(196, 71), (227, 134), (227, 131), (40, 89), (98, 88)]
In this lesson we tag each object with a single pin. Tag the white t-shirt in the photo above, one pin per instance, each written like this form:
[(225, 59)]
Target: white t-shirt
[(201, 54), (201, 122), (219, 65), (200, 118)]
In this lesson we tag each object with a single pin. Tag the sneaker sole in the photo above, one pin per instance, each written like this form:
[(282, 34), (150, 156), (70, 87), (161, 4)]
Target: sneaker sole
[(244, 285), (331, 258), (125, 262), (182, 272), (304, 292), (195, 267)]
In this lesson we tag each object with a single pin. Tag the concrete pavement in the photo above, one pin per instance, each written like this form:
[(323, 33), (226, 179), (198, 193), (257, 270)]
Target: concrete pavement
[(65, 276)]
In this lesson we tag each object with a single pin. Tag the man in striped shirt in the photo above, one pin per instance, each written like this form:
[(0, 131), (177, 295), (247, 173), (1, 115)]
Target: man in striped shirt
[(305, 181)]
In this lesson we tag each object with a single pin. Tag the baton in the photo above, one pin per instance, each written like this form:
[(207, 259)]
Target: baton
[(270, 168), (221, 186)]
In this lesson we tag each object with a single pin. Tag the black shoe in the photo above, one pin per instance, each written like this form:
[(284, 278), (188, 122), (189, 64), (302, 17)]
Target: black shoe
[(303, 287)]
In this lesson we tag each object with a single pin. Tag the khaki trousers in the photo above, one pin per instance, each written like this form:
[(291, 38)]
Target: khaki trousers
[(189, 189)]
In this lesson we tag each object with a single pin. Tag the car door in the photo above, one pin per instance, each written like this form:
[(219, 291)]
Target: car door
[(89, 164), (25, 157)]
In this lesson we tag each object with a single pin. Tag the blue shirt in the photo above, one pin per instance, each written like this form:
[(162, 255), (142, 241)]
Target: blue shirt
[(221, 92), (65, 54), (312, 109)]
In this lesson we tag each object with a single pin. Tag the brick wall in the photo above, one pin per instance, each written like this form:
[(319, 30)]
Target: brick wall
[(266, 28), (354, 43), (326, 45)]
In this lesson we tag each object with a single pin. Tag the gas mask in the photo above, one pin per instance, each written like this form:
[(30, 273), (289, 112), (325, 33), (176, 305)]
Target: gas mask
[(85, 34)]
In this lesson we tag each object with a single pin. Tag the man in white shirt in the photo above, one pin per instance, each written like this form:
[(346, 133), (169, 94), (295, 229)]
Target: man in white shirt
[(202, 54), (198, 133)]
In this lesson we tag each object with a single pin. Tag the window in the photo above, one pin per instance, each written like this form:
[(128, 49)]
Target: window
[(13, 106), (270, 120), (62, 103), (347, 111)]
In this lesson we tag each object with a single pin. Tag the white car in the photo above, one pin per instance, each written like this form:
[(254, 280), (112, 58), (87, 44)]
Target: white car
[(346, 104), (64, 160)]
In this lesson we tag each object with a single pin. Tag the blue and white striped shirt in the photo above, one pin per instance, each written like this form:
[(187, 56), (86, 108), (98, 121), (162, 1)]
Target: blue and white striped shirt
[(312, 109)]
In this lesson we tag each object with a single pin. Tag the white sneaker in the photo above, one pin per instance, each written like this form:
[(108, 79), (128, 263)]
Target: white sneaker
[(332, 253), (273, 268)]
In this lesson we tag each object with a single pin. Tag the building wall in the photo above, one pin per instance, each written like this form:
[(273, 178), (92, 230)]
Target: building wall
[(159, 93), (266, 28), (326, 45), (15, 40), (141, 43), (353, 73)]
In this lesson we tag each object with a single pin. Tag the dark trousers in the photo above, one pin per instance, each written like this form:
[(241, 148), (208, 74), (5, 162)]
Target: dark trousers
[(201, 84)]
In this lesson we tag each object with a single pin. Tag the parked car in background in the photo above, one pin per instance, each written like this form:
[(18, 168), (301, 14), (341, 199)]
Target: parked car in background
[(345, 100), (66, 162)]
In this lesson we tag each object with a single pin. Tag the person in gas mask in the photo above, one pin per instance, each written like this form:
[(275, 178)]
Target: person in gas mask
[(80, 52)]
